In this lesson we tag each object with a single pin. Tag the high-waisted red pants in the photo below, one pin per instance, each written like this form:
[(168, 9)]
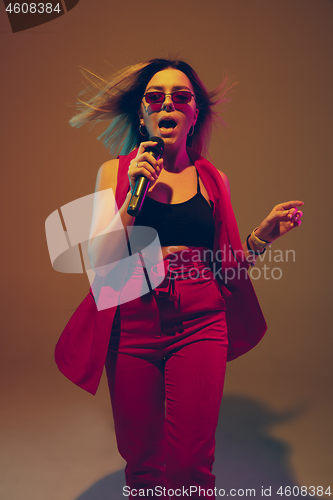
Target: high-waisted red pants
[(165, 368)]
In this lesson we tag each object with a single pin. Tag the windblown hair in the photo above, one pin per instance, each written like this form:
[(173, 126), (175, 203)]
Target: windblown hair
[(118, 101)]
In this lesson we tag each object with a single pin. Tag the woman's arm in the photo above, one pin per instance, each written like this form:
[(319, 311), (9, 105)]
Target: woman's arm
[(108, 236), (108, 239)]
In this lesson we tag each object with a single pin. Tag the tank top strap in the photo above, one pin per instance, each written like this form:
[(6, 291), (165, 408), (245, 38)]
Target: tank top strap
[(198, 183)]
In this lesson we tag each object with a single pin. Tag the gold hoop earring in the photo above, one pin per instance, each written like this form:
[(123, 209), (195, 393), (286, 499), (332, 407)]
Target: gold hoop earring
[(191, 132), (140, 130)]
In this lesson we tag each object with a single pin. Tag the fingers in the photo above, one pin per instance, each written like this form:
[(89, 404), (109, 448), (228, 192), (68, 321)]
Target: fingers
[(286, 211), (144, 168), (289, 204), (144, 145), (145, 164), (294, 217), (290, 215), (295, 220), (293, 212)]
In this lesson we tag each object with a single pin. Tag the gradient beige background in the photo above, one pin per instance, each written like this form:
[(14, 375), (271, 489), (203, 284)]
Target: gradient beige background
[(56, 440)]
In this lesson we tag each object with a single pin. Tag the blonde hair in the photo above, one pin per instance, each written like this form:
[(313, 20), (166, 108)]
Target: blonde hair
[(118, 101)]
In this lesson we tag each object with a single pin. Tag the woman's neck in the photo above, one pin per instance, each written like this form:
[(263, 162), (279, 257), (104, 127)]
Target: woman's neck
[(176, 160)]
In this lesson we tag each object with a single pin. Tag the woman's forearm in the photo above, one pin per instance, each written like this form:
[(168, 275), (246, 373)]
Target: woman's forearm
[(251, 257), (108, 246)]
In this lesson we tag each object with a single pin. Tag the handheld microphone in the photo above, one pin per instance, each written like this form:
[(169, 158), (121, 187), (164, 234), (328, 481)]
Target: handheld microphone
[(142, 183)]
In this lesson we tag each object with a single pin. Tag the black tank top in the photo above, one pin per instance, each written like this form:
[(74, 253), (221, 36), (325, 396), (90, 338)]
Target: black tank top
[(190, 223)]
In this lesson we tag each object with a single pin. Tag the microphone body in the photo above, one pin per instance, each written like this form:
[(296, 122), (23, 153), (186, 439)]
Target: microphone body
[(142, 183)]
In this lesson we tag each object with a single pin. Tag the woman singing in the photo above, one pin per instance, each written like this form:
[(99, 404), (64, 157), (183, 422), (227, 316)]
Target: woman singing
[(165, 351)]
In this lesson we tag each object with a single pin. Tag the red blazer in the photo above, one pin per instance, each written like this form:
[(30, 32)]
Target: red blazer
[(82, 348)]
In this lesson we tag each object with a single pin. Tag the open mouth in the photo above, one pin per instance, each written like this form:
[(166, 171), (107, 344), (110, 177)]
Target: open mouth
[(167, 124)]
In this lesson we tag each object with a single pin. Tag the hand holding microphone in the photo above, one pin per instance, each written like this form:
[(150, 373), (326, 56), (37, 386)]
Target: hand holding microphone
[(144, 169)]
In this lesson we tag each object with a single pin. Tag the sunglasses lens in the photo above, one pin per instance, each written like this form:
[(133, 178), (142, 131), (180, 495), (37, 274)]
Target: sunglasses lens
[(154, 97), (181, 97)]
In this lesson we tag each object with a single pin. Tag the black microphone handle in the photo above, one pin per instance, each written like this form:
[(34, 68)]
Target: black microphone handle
[(138, 196)]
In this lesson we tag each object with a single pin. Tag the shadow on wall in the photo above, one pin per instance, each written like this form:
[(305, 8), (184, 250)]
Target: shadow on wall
[(246, 455)]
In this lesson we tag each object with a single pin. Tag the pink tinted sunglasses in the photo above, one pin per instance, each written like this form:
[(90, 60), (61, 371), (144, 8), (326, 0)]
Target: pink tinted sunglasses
[(178, 97)]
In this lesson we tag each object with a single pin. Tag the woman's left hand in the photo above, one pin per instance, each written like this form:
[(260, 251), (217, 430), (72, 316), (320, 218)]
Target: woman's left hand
[(282, 219)]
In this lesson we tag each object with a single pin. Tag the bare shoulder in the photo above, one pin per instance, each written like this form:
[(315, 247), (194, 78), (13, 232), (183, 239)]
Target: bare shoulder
[(107, 175), (225, 180)]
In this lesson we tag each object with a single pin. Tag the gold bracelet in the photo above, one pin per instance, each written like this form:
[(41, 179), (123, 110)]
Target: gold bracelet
[(257, 241)]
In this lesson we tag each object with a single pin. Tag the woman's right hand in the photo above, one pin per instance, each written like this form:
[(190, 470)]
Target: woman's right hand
[(144, 164)]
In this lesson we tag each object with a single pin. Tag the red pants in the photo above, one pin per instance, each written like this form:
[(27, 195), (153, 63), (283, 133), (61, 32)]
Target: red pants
[(165, 368)]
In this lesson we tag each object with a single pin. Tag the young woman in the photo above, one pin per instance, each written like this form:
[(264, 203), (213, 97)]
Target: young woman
[(165, 358)]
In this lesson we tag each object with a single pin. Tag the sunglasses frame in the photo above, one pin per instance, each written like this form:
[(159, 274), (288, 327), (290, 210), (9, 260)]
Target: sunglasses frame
[(170, 94)]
